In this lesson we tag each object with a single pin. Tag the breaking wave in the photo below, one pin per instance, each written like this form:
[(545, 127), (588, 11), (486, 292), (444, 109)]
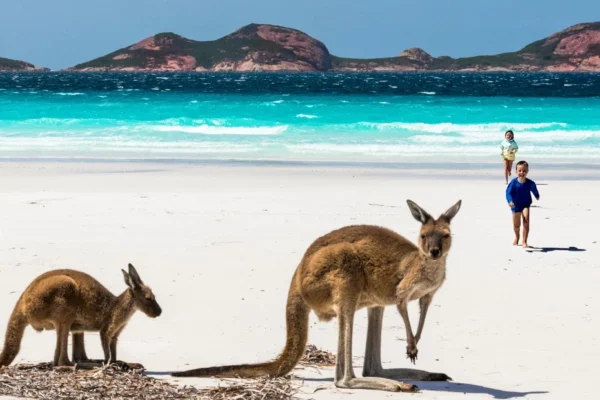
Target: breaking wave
[(222, 130)]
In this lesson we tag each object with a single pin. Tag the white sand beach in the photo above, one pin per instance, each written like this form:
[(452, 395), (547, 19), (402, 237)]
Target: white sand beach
[(218, 244)]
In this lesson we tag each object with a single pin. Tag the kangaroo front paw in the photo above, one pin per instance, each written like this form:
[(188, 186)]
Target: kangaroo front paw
[(411, 352)]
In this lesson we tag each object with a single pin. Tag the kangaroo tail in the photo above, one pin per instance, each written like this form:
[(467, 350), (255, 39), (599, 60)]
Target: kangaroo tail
[(14, 333), (297, 335)]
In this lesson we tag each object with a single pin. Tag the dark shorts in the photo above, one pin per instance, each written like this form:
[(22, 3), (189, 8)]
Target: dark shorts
[(519, 208)]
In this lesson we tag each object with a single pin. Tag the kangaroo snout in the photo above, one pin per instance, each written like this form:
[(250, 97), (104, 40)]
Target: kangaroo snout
[(435, 253), (157, 312)]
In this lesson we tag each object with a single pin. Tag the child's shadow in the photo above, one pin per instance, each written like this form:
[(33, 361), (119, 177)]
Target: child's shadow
[(533, 249)]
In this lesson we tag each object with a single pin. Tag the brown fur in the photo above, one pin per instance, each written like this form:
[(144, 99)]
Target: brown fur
[(351, 268), (73, 301)]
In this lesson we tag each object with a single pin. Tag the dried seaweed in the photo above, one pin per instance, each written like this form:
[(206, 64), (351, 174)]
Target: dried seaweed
[(315, 356), (254, 389), (41, 381)]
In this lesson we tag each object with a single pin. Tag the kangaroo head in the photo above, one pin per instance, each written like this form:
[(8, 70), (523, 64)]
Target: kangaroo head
[(435, 238), (143, 297)]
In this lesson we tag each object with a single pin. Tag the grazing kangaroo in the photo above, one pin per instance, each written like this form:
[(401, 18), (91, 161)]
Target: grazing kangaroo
[(68, 300), (351, 268)]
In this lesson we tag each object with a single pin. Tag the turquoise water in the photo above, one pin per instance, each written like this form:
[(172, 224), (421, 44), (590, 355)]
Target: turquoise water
[(362, 118)]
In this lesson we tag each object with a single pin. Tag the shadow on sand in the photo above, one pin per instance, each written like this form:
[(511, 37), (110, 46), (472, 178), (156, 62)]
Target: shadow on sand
[(467, 388), (159, 373), (456, 387), (533, 249)]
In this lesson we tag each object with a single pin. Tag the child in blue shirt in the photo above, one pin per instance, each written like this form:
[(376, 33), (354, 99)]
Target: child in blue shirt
[(518, 196)]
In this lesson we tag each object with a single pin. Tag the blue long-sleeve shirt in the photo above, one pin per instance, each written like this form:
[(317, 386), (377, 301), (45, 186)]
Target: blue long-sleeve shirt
[(520, 193)]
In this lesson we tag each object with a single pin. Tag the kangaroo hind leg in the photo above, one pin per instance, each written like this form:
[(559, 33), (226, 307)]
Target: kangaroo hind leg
[(61, 353), (344, 374), (372, 365), (79, 354)]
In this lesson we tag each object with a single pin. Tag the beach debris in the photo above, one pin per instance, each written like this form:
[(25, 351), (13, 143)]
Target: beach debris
[(315, 356), (42, 381), (283, 388)]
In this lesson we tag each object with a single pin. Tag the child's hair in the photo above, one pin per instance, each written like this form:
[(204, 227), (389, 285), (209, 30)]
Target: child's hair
[(511, 133), (524, 163)]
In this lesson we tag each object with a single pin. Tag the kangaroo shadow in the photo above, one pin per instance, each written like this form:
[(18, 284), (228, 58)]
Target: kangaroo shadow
[(159, 373), (533, 249), (448, 386), (467, 388), (455, 387)]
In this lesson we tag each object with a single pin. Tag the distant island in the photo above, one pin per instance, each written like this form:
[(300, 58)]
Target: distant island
[(6, 64), (262, 47)]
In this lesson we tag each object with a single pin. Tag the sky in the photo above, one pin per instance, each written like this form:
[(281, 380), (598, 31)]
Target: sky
[(62, 33)]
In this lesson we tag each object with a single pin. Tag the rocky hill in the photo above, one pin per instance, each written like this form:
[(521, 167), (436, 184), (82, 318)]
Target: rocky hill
[(576, 48), (257, 47), (6, 64), (252, 48)]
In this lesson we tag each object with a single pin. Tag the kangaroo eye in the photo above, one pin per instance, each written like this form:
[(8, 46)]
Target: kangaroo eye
[(446, 236), (422, 236)]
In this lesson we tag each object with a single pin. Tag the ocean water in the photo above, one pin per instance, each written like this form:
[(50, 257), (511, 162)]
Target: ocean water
[(333, 117)]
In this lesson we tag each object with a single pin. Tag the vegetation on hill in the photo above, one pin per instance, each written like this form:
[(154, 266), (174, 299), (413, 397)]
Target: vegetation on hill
[(261, 44), (577, 47), (6, 64)]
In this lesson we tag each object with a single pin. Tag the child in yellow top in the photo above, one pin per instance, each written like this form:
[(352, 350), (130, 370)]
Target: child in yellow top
[(509, 148)]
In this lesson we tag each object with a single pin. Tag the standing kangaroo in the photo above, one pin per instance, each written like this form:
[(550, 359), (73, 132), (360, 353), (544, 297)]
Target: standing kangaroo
[(351, 268), (68, 300)]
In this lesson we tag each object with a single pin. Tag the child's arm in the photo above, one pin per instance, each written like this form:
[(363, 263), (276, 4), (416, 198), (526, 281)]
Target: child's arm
[(515, 146), (534, 190), (509, 190)]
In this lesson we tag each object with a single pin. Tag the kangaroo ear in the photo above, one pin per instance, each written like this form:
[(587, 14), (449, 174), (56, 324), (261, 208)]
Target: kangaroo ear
[(451, 212), (134, 275), (128, 280), (417, 212)]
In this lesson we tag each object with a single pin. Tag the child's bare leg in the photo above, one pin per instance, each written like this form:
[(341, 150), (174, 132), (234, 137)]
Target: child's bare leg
[(516, 226), (506, 171), (509, 167), (525, 226)]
